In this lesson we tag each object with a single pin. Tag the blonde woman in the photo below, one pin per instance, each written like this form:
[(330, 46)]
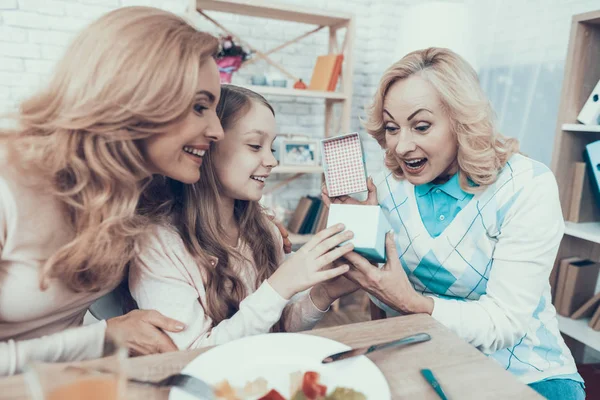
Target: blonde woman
[(216, 262), (477, 225), (134, 96)]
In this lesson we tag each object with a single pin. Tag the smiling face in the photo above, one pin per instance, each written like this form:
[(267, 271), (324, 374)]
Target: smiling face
[(244, 159), (418, 131), (177, 153)]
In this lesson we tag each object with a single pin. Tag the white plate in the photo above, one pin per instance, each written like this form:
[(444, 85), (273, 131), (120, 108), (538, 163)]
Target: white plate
[(275, 356)]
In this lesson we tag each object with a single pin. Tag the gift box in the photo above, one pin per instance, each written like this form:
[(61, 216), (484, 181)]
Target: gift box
[(344, 165), (369, 224)]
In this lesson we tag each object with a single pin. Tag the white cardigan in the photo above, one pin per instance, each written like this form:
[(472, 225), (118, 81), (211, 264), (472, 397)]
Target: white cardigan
[(167, 278), (488, 272)]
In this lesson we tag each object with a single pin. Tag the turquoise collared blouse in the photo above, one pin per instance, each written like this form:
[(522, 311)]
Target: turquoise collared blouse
[(439, 204)]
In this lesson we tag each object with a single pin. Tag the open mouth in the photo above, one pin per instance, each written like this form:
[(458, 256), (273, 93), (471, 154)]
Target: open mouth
[(193, 151), (258, 178), (415, 164)]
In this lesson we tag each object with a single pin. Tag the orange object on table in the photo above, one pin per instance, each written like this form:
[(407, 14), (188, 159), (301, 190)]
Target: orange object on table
[(100, 388)]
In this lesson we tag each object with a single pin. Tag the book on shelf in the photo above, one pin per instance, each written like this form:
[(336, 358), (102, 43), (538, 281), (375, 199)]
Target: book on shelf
[(299, 215), (582, 208), (309, 217), (579, 284), (326, 72), (595, 320), (561, 277), (588, 308)]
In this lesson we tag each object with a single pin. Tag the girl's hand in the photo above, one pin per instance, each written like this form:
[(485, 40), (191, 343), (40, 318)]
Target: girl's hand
[(371, 197), (142, 331), (390, 283), (307, 266), (325, 293)]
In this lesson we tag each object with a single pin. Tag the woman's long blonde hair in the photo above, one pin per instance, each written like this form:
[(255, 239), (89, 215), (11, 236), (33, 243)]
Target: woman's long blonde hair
[(482, 150), (130, 74), (193, 211)]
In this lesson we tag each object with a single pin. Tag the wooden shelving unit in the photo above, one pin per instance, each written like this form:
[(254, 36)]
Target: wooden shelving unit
[(582, 72), (292, 169), (278, 91), (335, 23)]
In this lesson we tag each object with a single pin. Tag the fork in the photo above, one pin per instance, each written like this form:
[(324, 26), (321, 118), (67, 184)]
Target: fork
[(189, 384)]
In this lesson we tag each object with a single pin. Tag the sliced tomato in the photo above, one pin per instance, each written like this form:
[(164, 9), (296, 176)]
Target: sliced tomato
[(311, 387), (272, 395)]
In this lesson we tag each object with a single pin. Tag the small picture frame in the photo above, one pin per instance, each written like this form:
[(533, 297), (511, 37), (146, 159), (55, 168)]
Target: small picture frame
[(299, 152)]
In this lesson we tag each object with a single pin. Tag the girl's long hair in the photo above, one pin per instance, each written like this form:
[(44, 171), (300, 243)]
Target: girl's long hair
[(130, 74), (193, 211)]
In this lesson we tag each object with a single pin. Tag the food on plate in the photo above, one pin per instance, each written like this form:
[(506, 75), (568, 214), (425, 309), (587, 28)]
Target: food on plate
[(305, 386), (341, 393), (272, 395)]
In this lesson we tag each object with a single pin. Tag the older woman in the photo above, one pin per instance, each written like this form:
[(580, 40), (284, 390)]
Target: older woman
[(476, 225)]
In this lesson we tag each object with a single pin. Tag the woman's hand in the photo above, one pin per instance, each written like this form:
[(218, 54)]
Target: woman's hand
[(390, 283), (306, 267), (287, 243), (370, 201), (142, 331), (325, 293)]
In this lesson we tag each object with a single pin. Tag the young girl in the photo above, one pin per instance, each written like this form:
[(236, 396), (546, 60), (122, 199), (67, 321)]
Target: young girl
[(216, 264)]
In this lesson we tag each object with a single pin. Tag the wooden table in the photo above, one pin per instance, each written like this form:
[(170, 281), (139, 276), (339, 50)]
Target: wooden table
[(463, 372)]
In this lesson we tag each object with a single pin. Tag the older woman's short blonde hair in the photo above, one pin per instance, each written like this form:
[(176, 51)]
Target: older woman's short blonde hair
[(482, 150)]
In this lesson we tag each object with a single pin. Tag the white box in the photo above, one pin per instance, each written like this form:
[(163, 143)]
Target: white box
[(590, 113)]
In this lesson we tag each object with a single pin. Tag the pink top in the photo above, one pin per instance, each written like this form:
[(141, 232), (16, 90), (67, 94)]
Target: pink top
[(168, 279), (33, 323)]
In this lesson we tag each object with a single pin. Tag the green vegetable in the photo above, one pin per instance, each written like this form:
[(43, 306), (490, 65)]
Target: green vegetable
[(341, 393), (299, 396)]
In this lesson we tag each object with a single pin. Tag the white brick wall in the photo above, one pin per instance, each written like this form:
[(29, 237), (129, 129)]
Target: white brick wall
[(34, 34)]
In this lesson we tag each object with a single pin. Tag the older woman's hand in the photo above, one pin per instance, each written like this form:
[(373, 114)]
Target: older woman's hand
[(370, 201), (390, 283), (285, 234)]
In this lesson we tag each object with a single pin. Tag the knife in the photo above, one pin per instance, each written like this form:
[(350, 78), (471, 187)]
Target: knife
[(361, 351)]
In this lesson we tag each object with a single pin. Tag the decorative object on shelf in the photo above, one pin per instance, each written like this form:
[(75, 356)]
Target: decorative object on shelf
[(369, 224), (230, 58), (326, 72), (279, 83), (344, 165), (300, 85), (258, 80), (299, 152), (590, 113)]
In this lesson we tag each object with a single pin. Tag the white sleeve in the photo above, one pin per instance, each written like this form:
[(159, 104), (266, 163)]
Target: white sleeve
[(76, 344), (160, 280), (523, 258), (301, 314)]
